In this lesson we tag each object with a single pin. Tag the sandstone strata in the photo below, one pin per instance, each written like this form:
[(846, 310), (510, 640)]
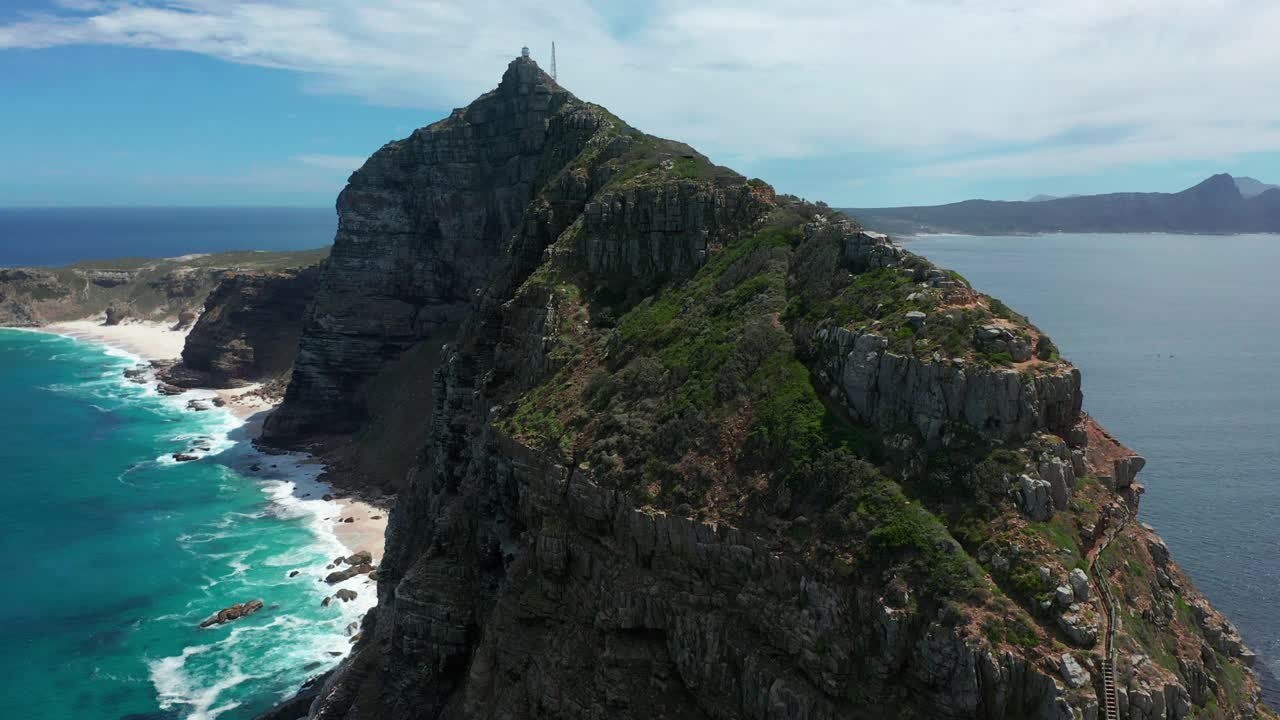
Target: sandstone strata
[(420, 226), (248, 330)]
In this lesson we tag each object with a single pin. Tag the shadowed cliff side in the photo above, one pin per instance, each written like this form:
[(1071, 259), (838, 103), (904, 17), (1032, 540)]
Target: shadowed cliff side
[(248, 330), (419, 228)]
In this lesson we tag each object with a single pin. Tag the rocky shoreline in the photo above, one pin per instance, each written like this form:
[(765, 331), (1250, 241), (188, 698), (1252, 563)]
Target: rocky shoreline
[(361, 518)]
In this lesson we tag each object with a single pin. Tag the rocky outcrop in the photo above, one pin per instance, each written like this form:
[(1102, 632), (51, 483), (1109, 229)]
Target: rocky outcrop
[(516, 587), (567, 597), (888, 390), (652, 233), (24, 290), (114, 315), (420, 227), (233, 612), (248, 330)]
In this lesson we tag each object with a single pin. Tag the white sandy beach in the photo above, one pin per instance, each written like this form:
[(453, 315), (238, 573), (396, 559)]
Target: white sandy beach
[(368, 529), (158, 341), (147, 340)]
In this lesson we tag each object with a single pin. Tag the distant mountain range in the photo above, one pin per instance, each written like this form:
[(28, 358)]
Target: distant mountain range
[(1220, 204)]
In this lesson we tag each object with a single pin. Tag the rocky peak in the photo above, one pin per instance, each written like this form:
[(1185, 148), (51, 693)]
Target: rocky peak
[(1216, 188), (523, 76), (421, 226)]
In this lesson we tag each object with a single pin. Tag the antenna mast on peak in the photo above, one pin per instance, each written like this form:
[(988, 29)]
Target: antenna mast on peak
[(553, 60)]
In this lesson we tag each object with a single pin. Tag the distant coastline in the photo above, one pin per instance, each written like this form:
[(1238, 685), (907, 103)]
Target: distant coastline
[(53, 237), (908, 237), (1221, 204)]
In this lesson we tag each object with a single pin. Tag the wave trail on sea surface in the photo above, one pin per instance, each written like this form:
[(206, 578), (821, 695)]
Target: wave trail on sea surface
[(154, 546)]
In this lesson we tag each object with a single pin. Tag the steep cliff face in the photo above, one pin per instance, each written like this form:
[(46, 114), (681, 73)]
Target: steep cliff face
[(697, 450), (248, 330), (420, 226)]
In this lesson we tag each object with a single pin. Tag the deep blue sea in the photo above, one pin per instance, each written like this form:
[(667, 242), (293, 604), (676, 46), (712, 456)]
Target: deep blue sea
[(1178, 339), (58, 236), (115, 552)]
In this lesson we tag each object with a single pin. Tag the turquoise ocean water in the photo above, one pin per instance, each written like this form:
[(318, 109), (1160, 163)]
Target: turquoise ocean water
[(1178, 338), (115, 553)]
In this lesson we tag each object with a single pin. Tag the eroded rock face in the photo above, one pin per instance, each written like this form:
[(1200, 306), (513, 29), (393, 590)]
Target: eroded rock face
[(577, 598), (888, 390), (248, 331), (419, 228), (656, 233)]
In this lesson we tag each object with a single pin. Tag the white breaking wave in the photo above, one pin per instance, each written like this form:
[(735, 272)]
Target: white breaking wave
[(176, 688), (292, 633)]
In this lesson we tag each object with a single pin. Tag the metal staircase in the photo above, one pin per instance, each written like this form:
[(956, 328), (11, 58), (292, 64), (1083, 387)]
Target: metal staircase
[(1110, 699), (1110, 696)]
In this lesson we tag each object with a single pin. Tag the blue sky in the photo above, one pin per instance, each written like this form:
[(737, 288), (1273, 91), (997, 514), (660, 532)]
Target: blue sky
[(881, 102)]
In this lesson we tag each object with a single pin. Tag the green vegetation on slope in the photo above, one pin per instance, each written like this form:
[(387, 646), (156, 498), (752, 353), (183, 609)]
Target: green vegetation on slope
[(697, 399)]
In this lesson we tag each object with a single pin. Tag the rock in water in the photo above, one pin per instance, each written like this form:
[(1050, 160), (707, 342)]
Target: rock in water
[(345, 595), (339, 575), (233, 612), (363, 557)]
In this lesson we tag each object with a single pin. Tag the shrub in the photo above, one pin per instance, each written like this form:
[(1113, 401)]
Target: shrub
[(1045, 349), (789, 415), (830, 477)]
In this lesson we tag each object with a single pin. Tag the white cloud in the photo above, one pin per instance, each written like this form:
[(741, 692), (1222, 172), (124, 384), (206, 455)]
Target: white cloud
[(753, 80)]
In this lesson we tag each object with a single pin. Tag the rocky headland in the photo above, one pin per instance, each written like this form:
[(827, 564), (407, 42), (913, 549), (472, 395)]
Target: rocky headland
[(669, 444), (157, 290), (247, 331)]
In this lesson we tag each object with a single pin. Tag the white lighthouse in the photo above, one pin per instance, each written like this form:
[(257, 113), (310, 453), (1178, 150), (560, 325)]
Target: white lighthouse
[(524, 52)]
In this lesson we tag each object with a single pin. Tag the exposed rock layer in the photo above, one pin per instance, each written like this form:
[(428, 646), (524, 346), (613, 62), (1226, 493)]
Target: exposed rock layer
[(888, 390), (248, 330), (419, 228)]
